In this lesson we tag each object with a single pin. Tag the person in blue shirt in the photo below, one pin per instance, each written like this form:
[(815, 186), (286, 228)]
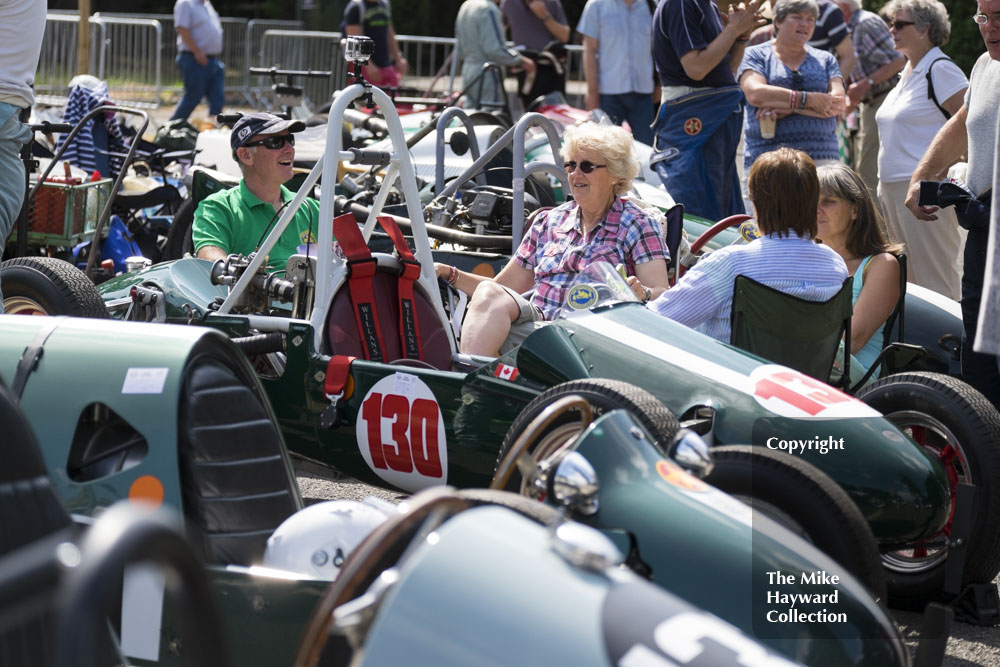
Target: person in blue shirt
[(617, 64), (697, 129), (784, 191)]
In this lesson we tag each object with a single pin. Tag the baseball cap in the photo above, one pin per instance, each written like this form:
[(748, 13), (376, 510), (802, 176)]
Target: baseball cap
[(252, 124)]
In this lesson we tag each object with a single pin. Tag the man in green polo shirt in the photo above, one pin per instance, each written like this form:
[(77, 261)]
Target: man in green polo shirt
[(236, 221)]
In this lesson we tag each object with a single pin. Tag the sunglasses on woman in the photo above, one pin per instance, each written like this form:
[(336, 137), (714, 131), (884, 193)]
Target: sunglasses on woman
[(586, 166), (899, 25), (274, 143), (798, 82)]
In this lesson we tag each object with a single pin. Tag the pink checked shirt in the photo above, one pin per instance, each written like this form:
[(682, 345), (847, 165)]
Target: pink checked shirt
[(556, 249)]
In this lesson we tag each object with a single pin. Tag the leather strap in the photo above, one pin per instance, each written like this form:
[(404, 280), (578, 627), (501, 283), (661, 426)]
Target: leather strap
[(32, 355)]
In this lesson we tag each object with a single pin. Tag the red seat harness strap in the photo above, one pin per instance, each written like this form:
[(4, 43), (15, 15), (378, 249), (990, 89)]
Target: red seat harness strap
[(410, 342), (361, 267)]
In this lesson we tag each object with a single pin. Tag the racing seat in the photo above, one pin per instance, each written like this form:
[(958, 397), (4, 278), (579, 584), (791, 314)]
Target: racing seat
[(344, 335), (788, 330)]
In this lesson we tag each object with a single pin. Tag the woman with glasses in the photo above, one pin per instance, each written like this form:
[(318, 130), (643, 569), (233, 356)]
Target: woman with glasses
[(794, 92), (598, 224), (849, 223), (237, 220), (930, 90)]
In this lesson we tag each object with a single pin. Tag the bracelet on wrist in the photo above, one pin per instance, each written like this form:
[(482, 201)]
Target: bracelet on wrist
[(647, 294), (452, 275), (802, 100), (793, 98), (742, 39)]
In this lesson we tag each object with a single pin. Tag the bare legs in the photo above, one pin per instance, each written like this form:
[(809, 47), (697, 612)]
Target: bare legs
[(491, 313)]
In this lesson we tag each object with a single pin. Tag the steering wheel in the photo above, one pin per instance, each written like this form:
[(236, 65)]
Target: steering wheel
[(415, 363), (714, 230), (379, 551), (537, 442), (711, 233)]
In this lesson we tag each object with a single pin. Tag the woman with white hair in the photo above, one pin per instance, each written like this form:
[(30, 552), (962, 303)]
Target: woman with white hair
[(794, 92), (598, 224), (907, 121)]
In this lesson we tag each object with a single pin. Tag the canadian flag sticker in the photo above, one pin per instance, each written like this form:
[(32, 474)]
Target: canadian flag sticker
[(505, 372)]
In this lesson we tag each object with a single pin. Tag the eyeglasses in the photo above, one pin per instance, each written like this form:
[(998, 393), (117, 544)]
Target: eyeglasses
[(898, 25), (983, 19), (798, 82), (274, 143), (586, 166)]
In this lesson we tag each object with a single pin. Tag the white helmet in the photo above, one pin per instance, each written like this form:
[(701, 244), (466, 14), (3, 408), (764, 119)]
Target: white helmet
[(316, 540)]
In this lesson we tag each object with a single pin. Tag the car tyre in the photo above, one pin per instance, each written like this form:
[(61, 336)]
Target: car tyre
[(49, 286), (602, 395), (805, 500), (961, 428)]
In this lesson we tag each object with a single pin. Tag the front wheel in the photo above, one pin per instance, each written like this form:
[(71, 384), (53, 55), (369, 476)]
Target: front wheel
[(48, 286), (602, 395), (804, 500), (959, 427)]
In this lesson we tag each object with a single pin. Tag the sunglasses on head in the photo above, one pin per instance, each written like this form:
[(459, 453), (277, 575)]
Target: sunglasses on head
[(274, 143), (586, 166), (898, 25)]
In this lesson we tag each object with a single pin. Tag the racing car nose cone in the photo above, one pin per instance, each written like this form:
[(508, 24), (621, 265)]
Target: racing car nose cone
[(585, 547)]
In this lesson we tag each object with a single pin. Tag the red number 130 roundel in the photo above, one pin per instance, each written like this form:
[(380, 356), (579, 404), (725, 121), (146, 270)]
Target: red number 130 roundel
[(401, 434)]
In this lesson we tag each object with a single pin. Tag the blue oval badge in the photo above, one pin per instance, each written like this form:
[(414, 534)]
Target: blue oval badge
[(581, 297)]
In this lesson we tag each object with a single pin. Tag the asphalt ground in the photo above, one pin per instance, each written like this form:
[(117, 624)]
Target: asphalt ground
[(968, 645)]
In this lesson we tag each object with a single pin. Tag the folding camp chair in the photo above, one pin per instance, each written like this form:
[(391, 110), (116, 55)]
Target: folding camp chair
[(792, 331)]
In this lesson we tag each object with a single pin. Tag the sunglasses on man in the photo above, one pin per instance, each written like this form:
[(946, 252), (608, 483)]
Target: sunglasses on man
[(586, 166), (274, 143)]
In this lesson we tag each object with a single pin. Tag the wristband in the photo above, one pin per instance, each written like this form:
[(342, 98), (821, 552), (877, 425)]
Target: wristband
[(793, 98), (802, 100), (452, 275)]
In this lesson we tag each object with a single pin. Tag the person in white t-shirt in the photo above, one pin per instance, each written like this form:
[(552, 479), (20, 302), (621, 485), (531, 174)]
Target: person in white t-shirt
[(907, 122)]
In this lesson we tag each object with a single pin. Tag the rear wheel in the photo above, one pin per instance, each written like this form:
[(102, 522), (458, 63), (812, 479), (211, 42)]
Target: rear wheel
[(961, 428), (806, 501), (48, 286)]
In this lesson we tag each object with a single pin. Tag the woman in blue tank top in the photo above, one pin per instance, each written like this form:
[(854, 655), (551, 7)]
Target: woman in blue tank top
[(849, 223)]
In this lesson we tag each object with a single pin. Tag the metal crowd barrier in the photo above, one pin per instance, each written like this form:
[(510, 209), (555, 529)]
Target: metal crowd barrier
[(305, 50), (135, 53), (130, 57), (430, 60), (234, 55), (57, 63)]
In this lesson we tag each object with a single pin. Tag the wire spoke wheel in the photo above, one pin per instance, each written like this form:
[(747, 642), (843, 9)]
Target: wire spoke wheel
[(942, 444)]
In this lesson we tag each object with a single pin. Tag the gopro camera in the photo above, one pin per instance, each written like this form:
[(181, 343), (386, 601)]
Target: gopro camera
[(358, 49)]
